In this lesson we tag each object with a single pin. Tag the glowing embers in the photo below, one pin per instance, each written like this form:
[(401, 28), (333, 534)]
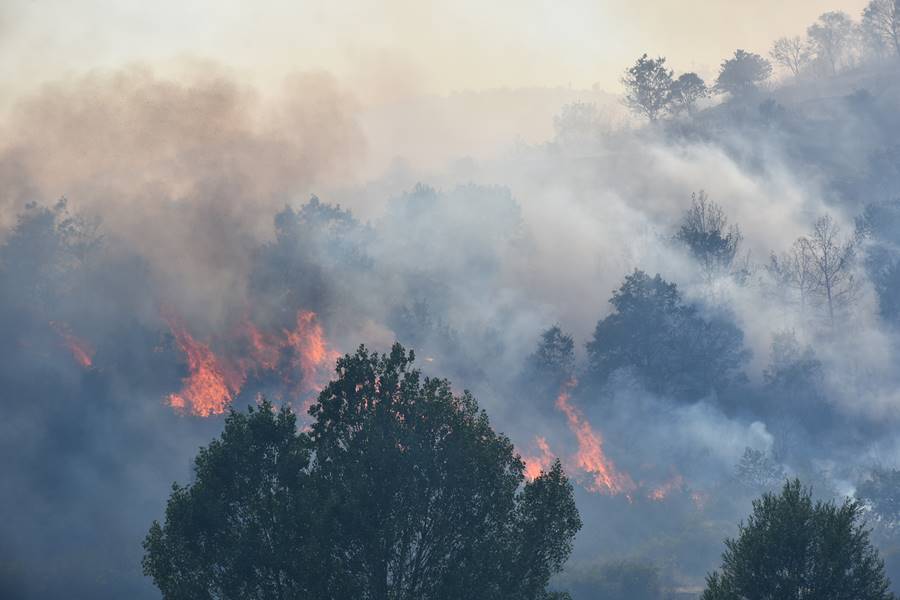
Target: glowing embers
[(78, 348), (590, 458), (659, 493), (299, 357), (534, 465)]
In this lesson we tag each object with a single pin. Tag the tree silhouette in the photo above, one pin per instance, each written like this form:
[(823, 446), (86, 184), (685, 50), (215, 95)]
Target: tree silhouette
[(742, 73), (400, 490), (791, 547)]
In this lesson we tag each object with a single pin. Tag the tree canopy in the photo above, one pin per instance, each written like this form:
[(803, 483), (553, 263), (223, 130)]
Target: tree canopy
[(400, 489), (742, 73), (666, 342), (791, 547), (648, 85)]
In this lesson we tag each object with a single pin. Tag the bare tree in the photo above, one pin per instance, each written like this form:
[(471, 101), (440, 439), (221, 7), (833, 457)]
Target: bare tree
[(881, 22), (831, 37), (820, 269), (792, 275), (791, 53)]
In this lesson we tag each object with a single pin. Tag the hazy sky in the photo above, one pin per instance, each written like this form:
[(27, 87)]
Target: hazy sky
[(389, 48)]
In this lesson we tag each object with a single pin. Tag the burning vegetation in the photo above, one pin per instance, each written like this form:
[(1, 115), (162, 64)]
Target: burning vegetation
[(298, 358)]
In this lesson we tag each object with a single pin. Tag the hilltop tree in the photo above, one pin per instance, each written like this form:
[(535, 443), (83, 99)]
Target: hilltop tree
[(686, 91), (742, 73), (665, 342), (648, 87), (400, 490), (881, 21), (791, 547), (791, 53), (830, 37)]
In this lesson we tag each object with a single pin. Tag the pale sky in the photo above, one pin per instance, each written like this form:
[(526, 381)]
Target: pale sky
[(392, 48)]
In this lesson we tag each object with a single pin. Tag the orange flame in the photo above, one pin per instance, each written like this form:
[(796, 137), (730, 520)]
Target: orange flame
[(310, 350), (80, 350), (214, 382), (590, 458), (535, 465), (207, 389), (659, 494)]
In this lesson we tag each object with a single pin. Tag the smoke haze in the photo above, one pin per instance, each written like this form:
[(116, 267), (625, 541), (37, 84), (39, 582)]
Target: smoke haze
[(216, 211)]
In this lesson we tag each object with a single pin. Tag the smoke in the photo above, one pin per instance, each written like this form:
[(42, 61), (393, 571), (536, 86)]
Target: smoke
[(188, 258)]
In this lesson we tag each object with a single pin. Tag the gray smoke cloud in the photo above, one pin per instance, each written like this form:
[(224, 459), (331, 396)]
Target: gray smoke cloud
[(188, 196)]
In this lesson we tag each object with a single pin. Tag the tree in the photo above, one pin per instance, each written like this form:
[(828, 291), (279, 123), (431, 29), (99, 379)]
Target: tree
[(791, 53), (706, 234), (686, 91), (820, 269), (830, 37), (666, 343), (878, 228), (742, 73), (881, 21), (757, 472), (648, 87), (792, 367), (399, 490), (791, 547), (552, 363), (832, 260)]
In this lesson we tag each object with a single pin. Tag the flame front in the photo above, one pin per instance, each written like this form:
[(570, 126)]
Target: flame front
[(214, 381), (590, 458), (535, 465), (207, 390)]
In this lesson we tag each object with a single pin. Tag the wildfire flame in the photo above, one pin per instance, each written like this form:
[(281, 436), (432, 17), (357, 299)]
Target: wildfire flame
[(209, 387), (535, 465), (213, 381), (80, 350), (590, 457), (659, 494)]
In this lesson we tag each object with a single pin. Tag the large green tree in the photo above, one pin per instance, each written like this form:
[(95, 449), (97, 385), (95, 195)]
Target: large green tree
[(793, 548), (667, 343), (399, 490)]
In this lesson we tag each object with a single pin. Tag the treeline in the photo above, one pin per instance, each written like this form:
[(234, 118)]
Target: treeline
[(834, 43)]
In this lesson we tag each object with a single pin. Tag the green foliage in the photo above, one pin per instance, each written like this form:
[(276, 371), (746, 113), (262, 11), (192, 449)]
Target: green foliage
[(706, 234), (667, 343), (551, 364), (742, 73), (648, 87), (686, 91), (399, 490), (791, 547)]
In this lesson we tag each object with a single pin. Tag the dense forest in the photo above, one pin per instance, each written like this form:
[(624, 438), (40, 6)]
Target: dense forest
[(650, 357)]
